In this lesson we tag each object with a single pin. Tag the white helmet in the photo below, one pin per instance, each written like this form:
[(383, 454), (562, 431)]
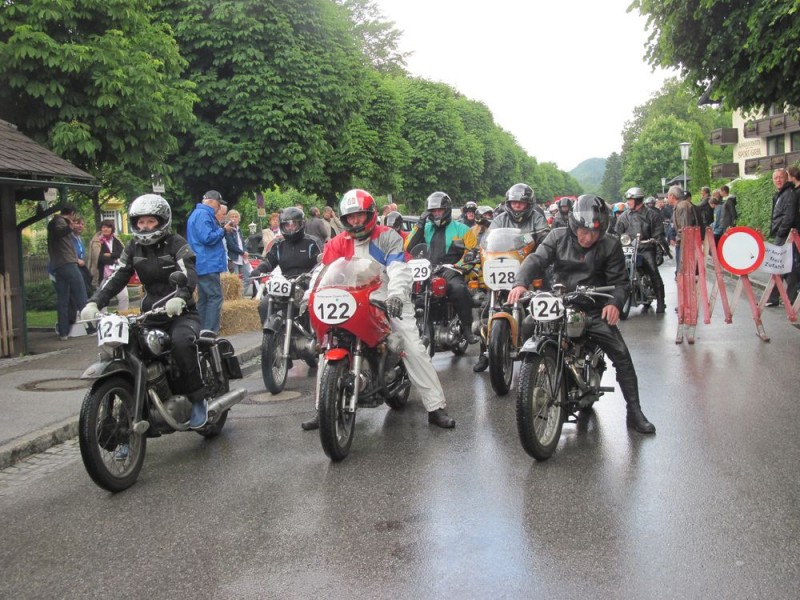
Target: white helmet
[(151, 205)]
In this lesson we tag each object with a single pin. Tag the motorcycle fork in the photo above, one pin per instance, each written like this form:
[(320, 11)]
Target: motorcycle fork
[(356, 374), (287, 338), (140, 390)]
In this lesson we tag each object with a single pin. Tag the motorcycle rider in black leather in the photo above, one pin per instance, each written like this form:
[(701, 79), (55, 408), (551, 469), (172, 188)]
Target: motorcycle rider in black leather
[(562, 218), (584, 255), (295, 252), (437, 230), (639, 219)]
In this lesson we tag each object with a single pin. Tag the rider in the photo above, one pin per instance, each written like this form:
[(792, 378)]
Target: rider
[(583, 255), (295, 252), (521, 214), (562, 218), (364, 238), (483, 219), (153, 254), (438, 232), (639, 219), (469, 213), (395, 220)]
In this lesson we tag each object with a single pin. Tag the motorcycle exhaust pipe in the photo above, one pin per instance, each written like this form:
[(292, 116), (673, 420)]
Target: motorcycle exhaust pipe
[(224, 402)]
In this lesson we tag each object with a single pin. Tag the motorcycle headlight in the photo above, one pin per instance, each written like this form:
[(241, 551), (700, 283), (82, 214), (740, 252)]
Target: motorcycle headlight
[(157, 341), (625, 239), (576, 323)]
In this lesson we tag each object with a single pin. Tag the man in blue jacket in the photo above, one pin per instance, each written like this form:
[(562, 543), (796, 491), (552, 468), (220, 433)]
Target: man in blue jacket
[(205, 237)]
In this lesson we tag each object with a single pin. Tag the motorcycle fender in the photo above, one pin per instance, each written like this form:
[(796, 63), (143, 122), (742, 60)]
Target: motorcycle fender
[(105, 368), (534, 345), (512, 322), (274, 323), (337, 354)]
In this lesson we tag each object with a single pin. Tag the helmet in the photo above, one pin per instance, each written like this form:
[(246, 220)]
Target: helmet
[(394, 220), (150, 205), (520, 192), (553, 208), (650, 201), (484, 215), (618, 207), (636, 194), (292, 223), (356, 201), (591, 212), (473, 206), (440, 200), (564, 203)]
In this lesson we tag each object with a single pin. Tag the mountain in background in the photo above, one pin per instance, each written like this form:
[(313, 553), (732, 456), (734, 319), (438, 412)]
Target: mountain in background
[(590, 174)]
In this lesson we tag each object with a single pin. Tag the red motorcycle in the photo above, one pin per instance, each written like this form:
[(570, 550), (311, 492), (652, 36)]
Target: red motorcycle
[(363, 366)]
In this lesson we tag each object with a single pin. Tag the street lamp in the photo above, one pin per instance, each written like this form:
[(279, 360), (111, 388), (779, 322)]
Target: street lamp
[(663, 184), (684, 158)]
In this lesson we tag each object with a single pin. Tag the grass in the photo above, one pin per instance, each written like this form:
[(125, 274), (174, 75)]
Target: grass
[(42, 318)]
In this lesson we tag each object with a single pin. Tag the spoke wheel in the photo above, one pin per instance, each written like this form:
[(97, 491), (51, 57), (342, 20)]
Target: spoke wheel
[(501, 364), (626, 308), (274, 369), (540, 414), (112, 453), (336, 426)]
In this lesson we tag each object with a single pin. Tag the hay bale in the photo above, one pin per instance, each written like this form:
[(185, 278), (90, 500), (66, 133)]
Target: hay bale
[(231, 286), (239, 316)]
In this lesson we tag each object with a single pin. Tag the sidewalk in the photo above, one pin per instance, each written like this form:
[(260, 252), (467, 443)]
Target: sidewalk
[(41, 394)]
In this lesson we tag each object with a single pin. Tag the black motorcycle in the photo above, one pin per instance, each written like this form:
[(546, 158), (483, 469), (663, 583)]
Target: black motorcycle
[(287, 331), (131, 399), (561, 368), (642, 291)]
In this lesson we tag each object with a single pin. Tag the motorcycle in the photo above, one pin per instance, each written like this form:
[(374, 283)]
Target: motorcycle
[(286, 329), (642, 291), (362, 358), (502, 251), (437, 321), (131, 399), (561, 368)]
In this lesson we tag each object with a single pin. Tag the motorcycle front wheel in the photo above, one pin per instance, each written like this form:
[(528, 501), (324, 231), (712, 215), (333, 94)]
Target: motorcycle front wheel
[(112, 453), (540, 413), (336, 427), (274, 369), (626, 308), (501, 364)]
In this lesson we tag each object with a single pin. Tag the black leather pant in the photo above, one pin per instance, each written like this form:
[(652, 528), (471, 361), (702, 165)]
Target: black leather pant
[(459, 295), (184, 331), (610, 340), (649, 265)]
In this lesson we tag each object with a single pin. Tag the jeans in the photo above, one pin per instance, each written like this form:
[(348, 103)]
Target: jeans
[(209, 301), (69, 286)]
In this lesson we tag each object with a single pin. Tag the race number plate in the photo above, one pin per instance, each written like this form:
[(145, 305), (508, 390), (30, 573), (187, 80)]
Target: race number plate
[(333, 306), (627, 249), (546, 308), (500, 273), (112, 331), (420, 269), (279, 286)]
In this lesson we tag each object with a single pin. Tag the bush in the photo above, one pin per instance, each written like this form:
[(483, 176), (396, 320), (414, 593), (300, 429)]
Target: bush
[(40, 296), (754, 202)]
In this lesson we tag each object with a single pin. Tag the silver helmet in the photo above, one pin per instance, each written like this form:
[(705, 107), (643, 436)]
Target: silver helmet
[(150, 205)]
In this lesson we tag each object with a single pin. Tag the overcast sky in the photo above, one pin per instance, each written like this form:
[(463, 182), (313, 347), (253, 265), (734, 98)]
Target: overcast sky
[(562, 76)]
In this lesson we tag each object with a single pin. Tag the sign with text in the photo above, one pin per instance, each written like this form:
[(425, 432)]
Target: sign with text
[(777, 259)]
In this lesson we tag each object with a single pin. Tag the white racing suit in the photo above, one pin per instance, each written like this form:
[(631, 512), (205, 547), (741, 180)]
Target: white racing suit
[(386, 247)]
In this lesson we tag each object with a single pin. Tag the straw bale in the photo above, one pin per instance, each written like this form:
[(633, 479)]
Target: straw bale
[(239, 316), (231, 286)]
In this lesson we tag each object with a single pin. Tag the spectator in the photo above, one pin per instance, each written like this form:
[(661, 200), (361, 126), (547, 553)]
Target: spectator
[(729, 213), (318, 227), (716, 225), (105, 248), (684, 214), (238, 257), (705, 209), (388, 208), (78, 224), (206, 239), (255, 241), (334, 222), (784, 218), (270, 233), (64, 264)]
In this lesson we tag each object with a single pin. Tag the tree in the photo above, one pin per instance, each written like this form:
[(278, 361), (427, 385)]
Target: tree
[(379, 38), (611, 185), (98, 83), (700, 171), (746, 51)]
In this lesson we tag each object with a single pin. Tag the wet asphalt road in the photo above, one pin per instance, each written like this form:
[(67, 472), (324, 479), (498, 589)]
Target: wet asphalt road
[(708, 507)]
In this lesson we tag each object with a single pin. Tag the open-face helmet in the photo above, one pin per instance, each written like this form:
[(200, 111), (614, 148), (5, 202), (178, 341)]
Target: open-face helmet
[(636, 194), (520, 192)]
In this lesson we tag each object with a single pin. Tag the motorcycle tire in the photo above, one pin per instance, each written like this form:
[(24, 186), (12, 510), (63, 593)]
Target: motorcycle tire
[(648, 292), (312, 362), (426, 334), (626, 308), (501, 364), (399, 401), (540, 410), (112, 453), (461, 345), (274, 369), (336, 427)]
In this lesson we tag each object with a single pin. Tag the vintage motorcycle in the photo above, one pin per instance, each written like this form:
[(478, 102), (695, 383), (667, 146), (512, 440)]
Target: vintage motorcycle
[(131, 399), (642, 291), (362, 358), (502, 251), (286, 330), (561, 368)]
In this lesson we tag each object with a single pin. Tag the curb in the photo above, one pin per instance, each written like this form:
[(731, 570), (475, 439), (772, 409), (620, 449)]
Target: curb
[(47, 437)]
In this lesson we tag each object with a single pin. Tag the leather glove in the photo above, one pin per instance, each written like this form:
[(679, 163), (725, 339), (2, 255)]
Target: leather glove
[(394, 307), (423, 218), (90, 311), (175, 306)]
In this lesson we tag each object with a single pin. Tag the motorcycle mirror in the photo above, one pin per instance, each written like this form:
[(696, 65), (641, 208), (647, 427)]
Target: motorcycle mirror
[(178, 279)]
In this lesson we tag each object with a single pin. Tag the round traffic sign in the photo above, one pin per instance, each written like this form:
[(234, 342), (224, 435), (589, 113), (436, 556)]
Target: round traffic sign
[(741, 250)]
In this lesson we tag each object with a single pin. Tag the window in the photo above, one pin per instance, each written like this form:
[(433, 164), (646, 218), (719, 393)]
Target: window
[(113, 215), (775, 145), (794, 142)]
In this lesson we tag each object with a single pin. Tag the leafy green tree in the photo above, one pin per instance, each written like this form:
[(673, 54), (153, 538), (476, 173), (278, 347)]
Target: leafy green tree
[(610, 187), (97, 82), (379, 38), (746, 50), (700, 171)]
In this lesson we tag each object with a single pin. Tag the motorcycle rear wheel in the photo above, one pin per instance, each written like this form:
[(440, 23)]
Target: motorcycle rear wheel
[(112, 453), (501, 364), (274, 369), (336, 427), (540, 413), (426, 331)]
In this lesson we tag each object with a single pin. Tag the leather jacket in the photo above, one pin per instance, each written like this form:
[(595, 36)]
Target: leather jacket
[(784, 212), (645, 221)]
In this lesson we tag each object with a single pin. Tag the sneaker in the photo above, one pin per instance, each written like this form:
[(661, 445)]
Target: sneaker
[(440, 418), (63, 338), (122, 452), (772, 303), (199, 414)]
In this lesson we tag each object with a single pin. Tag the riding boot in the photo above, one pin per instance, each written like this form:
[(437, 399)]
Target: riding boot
[(482, 364), (440, 418), (660, 305), (630, 391), (312, 423)]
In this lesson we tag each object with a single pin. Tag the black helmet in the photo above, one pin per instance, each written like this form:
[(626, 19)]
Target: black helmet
[(150, 205), (292, 223), (591, 212), (394, 220), (484, 215), (520, 192), (636, 194), (440, 200), (473, 206), (564, 203)]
